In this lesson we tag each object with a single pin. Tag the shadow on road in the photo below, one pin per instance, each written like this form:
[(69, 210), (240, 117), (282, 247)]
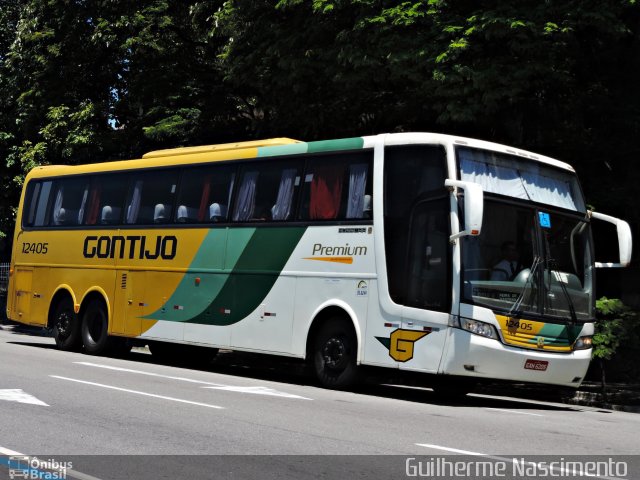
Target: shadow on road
[(376, 382)]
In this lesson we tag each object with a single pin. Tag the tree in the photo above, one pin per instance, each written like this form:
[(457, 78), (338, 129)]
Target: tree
[(94, 81), (322, 69), (556, 77), (616, 323)]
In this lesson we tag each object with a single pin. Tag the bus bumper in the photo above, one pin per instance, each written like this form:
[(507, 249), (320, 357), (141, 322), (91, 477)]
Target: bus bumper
[(472, 355)]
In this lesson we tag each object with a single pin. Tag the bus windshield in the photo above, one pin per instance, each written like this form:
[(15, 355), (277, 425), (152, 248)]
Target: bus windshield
[(530, 262)]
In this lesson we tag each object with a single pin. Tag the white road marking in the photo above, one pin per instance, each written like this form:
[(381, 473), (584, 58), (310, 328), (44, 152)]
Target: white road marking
[(6, 451), (455, 450), (150, 374), (561, 471), (17, 395), (259, 391), (180, 400), (514, 411), (43, 466)]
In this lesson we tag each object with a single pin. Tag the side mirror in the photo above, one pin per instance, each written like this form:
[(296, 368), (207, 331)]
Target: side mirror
[(625, 243), (473, 207)]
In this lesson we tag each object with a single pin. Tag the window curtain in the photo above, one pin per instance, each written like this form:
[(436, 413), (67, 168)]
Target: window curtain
[(492, 178), (134, 207), (94, 205), (552, 191), (57, 207), (232, 179), (204, 199), (246, 201), (525, 181), (85, 195), (326, 192), (357, 184), (282, 208)]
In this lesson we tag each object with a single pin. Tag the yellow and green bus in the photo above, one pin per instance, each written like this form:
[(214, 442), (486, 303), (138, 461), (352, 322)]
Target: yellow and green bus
[(386, 250)]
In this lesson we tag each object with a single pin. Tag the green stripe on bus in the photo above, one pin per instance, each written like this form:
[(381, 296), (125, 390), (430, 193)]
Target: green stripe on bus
[(354, 143), (254, 275), (558, 335), (255, 259), (217, 254), (292, 149), (333, 145)]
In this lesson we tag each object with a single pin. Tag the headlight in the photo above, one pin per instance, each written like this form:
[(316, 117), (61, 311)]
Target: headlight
[(479, 328), (583, 343)]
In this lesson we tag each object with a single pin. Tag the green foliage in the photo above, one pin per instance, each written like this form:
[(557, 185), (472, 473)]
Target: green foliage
[(610, 328), (84, 81)]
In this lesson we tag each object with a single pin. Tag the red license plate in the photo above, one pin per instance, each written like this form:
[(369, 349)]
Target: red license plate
[(539, 365)]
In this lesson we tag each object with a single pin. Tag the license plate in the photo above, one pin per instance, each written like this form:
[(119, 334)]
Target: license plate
[(539, 365)]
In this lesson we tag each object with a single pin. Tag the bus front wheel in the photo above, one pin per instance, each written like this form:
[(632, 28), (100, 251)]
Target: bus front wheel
[(334, 355), (95, 324), (66, 326)]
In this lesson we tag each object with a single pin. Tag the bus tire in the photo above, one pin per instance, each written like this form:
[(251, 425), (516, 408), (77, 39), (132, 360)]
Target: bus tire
[(335, 355), (95, 328), (66, 326)]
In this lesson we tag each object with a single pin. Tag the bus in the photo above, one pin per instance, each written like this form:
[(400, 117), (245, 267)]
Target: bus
[(385, 251)]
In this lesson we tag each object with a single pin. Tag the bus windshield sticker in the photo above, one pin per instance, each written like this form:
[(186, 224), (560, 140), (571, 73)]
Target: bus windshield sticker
[(545, 219)]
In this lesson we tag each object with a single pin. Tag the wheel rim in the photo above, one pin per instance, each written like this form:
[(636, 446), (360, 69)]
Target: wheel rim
[(63, 325), (335, 353)]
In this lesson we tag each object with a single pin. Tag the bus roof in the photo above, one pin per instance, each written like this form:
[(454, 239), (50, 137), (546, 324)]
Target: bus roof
[(278, 147), (172, 152)]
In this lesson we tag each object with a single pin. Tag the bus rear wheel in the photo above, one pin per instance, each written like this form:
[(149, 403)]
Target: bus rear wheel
[(334, 355), (66, 326), (95, 328)]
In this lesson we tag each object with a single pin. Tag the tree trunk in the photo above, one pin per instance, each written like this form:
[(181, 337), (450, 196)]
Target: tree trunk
[(603, 382)]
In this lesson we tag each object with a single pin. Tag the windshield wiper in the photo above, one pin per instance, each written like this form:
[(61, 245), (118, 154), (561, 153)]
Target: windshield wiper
[(554, 270), (515, 309)]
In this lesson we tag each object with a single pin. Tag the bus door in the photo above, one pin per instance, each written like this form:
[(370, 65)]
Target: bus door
[(425, 313)]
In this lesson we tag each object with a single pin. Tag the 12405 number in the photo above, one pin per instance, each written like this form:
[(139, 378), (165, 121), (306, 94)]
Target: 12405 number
[(39, 248), (519, 324)]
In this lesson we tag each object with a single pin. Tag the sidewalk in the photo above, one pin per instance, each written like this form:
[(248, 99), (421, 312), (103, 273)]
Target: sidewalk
[(619, 397)]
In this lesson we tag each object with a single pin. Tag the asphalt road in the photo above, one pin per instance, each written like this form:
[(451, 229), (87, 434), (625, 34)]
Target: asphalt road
[(57, 404)]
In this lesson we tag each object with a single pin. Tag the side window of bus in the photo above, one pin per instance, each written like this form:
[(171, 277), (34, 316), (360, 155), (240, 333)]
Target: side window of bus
[(150, 199), (36, 202), (69, 198), (338, 187), (104, 203), (267, 191), (205, 194)]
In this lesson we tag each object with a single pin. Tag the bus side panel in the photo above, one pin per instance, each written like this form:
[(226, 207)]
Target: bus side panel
[(269, 327), (380, 324), (335, 267), (21, 301), (39, 299), (315, 294), (128, 305)]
